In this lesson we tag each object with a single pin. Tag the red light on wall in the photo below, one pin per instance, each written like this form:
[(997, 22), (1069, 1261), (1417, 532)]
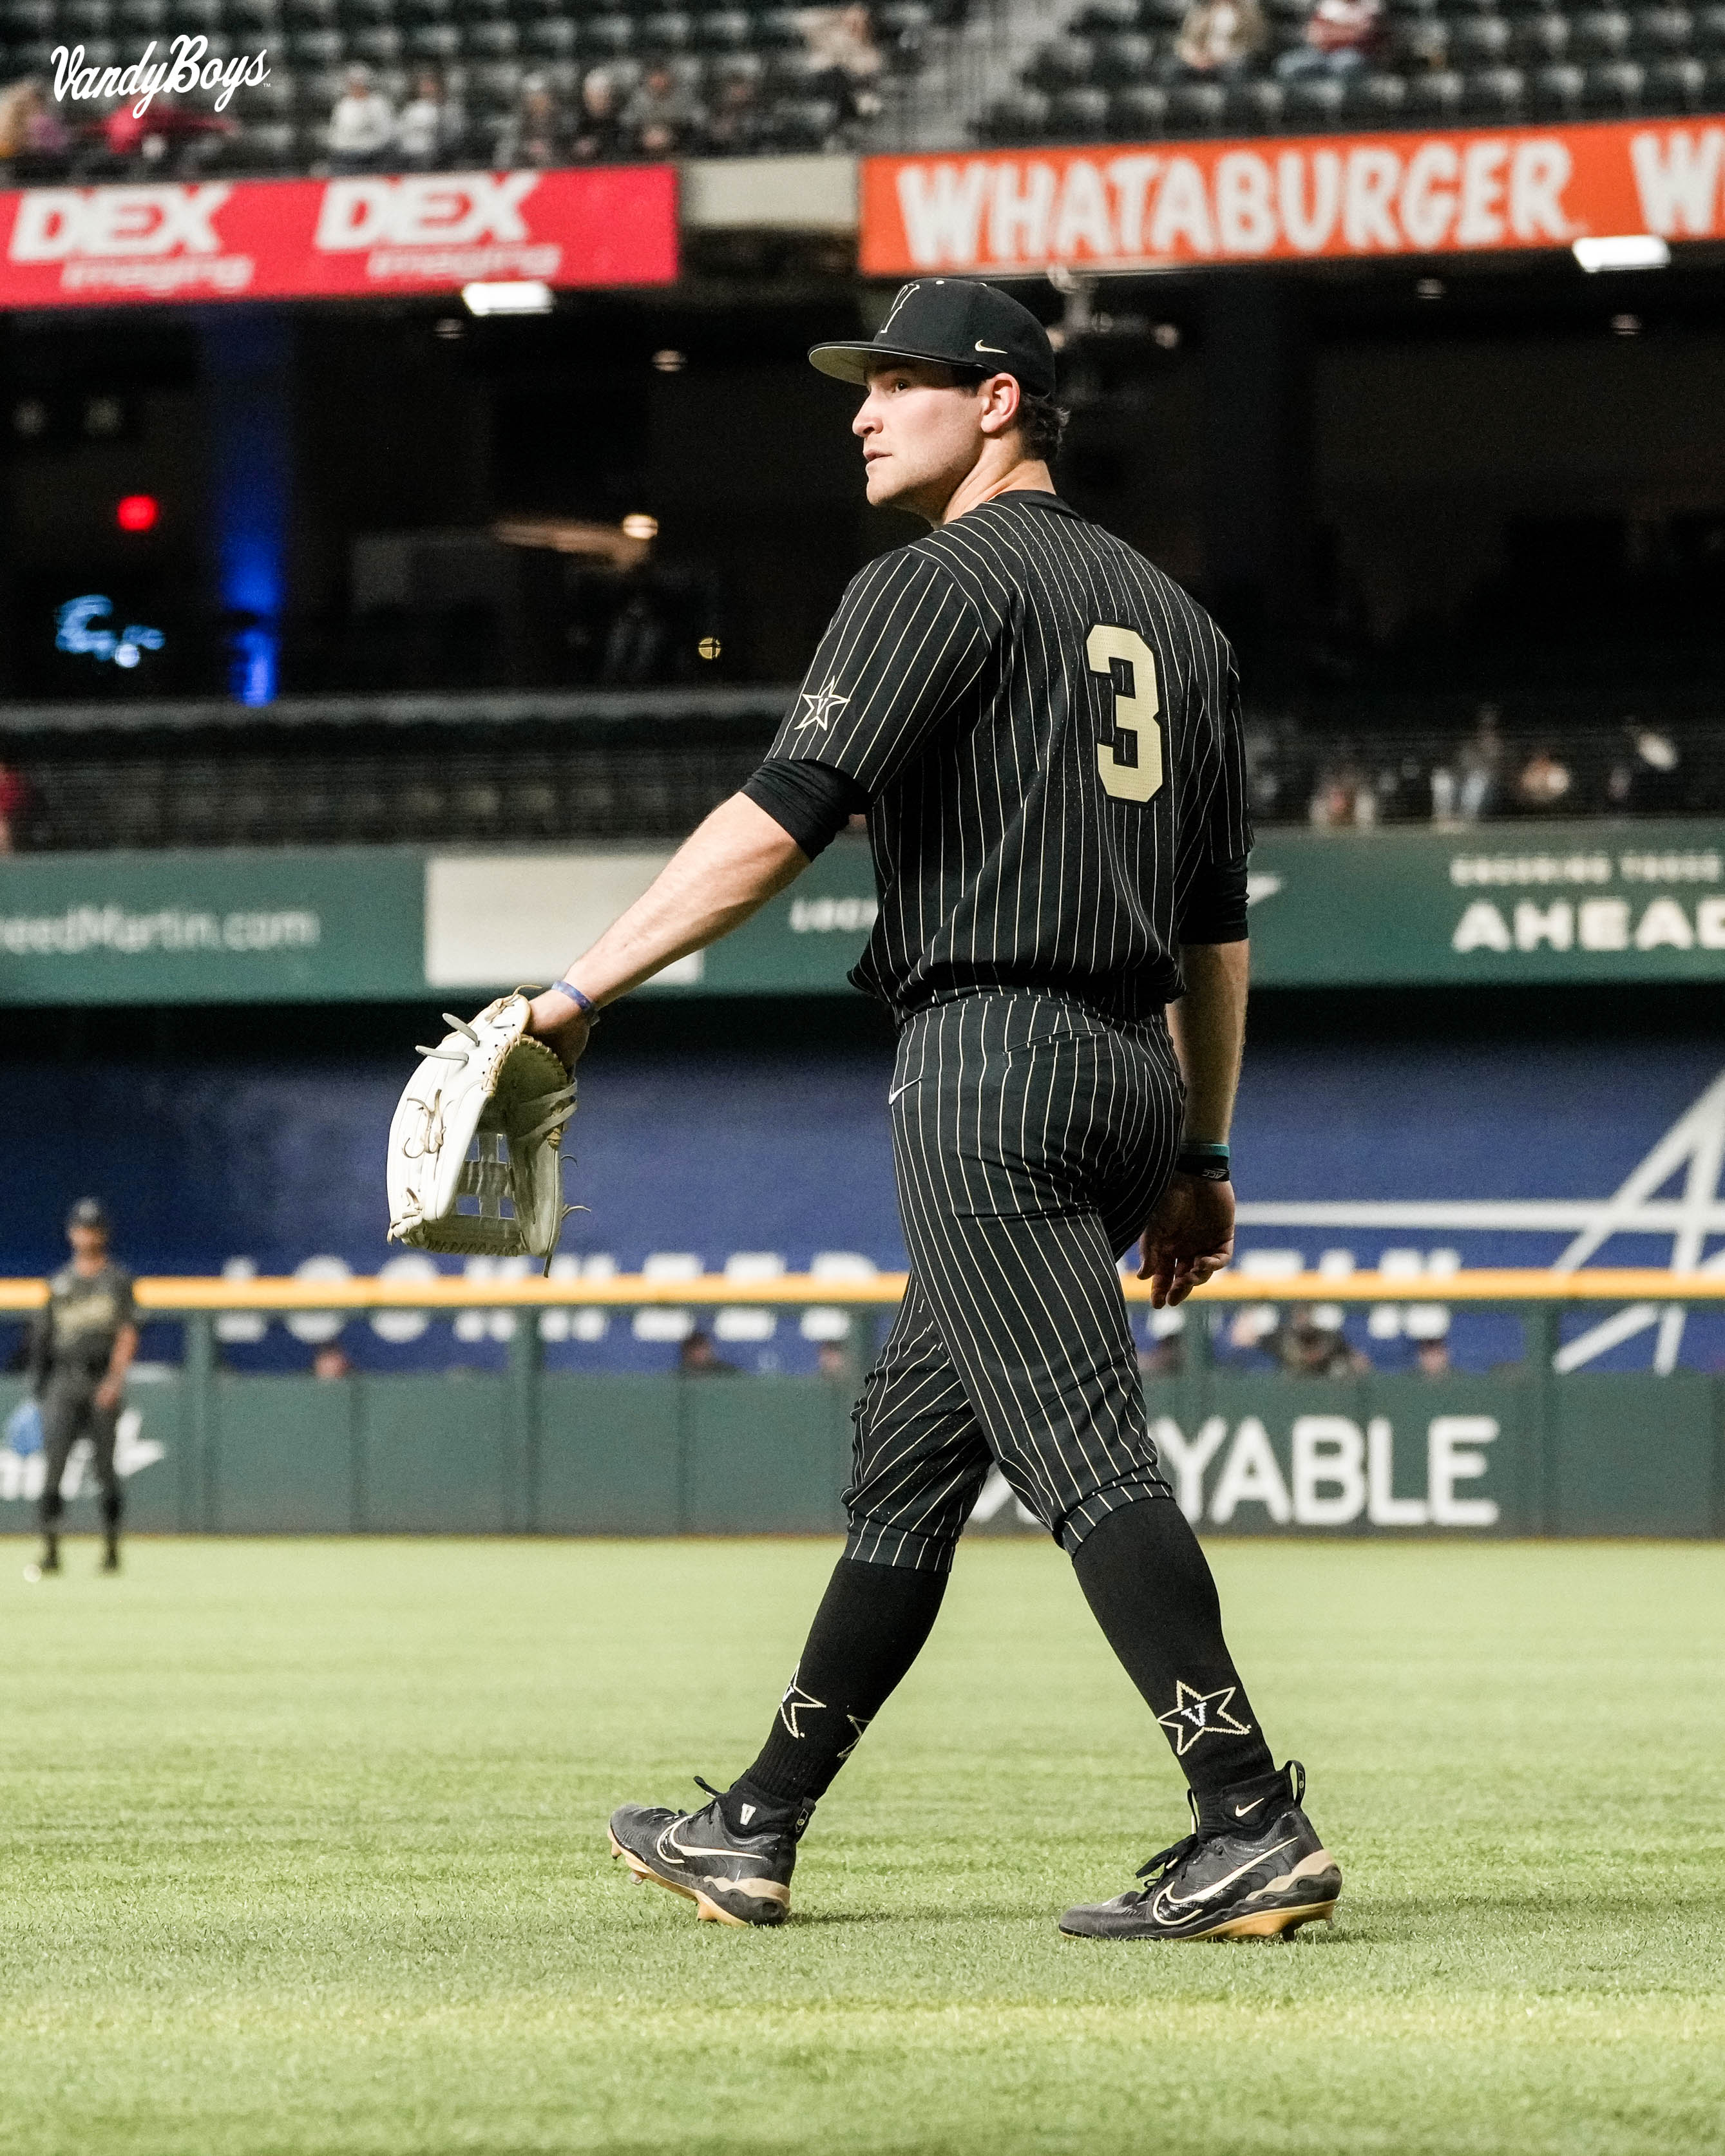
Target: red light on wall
[(136, 512)]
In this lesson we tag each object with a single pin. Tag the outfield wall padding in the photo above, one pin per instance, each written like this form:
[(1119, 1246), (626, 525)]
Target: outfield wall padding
[(523, 1452)]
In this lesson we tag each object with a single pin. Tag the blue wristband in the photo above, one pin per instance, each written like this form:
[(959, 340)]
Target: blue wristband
[(584, 1003)]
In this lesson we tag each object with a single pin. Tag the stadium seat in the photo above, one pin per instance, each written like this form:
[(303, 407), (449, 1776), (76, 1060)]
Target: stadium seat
[(1020, 116), (1679, 85), (1540, 40), (1438, 95), (725, 31), (1709, 29), (1662, 32), (671, 32), (491, 41), (145, 18), (1200, 104), (805, 123), (552, 40), (86, 18), (1603, 34), (1376, 101), (1257, 104), (1123, 56), (434, 41), (1163, 15), (1496, 92), (1557, 91), (603, 35), (318, 49), (377, 46), (310, 14), (1315, 101), (1104, 17), (1062, 62), (1139, 110), (1479, 41), (1615, 87), (778, 26), (1078, 114), (254, 15)]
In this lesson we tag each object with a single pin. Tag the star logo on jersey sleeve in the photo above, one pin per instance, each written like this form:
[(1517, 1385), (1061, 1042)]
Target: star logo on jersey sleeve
[(823, 703), (797, 1702), (1196, 1714)]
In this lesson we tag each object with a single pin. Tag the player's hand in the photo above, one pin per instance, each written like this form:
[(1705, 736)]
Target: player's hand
[(107, 1394), (562, 1025), (1188, 1240)]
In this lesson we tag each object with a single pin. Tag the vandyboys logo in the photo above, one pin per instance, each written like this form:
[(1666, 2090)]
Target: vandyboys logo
[(184, 70)]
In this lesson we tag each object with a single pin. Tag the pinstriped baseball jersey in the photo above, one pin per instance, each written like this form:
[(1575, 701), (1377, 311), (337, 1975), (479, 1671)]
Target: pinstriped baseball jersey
[(1049, 731)]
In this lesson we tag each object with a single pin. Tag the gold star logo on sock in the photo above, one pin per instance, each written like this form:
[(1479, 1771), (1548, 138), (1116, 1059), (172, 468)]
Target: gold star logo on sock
[(1195, 1714)]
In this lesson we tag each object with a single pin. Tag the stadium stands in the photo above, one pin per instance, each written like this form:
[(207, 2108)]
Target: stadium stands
[(766, 79), (649, 767), (1113, 72)]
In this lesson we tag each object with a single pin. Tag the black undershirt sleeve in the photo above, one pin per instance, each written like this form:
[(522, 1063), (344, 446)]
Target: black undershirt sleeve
[(812, 801), (1216, 905)]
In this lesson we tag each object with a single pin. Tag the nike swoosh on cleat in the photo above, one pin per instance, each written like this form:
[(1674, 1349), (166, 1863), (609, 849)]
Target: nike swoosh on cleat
[(669, 1846), (1179, 1903), (1241, 1810)]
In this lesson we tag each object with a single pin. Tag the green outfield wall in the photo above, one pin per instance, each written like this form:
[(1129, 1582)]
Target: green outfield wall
[(1511, 1454), (1507, 903)]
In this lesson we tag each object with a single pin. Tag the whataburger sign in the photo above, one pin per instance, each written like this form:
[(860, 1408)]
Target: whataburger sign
[(1324, 196), (265, 239)]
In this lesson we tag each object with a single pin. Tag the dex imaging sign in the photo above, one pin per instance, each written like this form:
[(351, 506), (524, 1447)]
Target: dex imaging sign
[(307, 238)]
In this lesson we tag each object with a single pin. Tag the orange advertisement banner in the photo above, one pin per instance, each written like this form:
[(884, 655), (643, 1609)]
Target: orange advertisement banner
[(1121, 206)]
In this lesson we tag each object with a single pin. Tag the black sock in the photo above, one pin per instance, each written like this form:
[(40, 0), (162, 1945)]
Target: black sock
[(869, 1629), (1148, 1585)]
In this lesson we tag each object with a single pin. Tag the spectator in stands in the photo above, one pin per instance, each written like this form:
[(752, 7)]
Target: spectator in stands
[(1343, 794), (1543, 784), (331, 1361), (168, 137), (598, 138), (1340, 39), (538, 134), (33, 139), (1308, 1344), (14, 796), (842, 40), (661, 116), (734, 126), (696, 1359), (362, 126), (831, 1361), (1480, 762), (1220, 39), (429, 128), (1431, 1357)]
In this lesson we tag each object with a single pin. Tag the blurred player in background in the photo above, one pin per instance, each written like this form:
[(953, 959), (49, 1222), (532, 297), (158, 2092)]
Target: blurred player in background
[(81, 1345)]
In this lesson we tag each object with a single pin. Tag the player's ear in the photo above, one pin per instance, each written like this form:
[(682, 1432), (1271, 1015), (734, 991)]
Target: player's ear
[(1001, 398)]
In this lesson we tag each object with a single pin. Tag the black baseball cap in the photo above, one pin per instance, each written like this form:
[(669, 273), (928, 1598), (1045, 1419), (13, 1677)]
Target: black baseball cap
[(957, 322), (88, 1213)]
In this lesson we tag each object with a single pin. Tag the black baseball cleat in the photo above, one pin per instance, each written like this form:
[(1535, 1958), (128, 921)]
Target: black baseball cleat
[(1224, 1882), (731, 1878)]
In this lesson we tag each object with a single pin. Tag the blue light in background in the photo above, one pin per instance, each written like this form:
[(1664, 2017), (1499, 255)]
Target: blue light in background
[(246, 353)]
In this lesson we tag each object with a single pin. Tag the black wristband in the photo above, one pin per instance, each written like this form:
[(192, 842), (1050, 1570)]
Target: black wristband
[(1208, 1159)]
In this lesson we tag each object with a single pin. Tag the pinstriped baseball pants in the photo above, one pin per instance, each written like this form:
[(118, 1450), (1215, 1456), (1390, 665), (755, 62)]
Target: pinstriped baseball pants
[(1031, 1139)]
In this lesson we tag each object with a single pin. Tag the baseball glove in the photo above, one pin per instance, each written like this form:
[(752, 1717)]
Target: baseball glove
[(479, 1123)]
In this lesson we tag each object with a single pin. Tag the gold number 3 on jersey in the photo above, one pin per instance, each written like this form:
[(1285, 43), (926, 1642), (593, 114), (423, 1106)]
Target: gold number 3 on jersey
[(1130, 757)]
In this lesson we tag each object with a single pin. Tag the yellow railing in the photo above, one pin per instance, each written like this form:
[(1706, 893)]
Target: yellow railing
[(168, 1295)]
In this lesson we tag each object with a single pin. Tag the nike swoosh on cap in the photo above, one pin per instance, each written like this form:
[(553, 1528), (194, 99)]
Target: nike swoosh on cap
[(999, 348)]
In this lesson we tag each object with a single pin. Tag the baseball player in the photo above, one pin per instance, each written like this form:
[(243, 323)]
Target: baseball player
[(1044, 733), (81, 1345)]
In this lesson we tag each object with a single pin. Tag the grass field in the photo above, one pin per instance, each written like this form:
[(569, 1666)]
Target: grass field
[(304, 1851)]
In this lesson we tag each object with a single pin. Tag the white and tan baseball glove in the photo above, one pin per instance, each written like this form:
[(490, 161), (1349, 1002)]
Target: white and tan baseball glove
[(480, 1128)]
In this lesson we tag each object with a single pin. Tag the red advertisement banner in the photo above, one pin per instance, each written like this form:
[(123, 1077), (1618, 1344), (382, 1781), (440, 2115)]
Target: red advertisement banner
[(1454, 191), (349, 238)]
